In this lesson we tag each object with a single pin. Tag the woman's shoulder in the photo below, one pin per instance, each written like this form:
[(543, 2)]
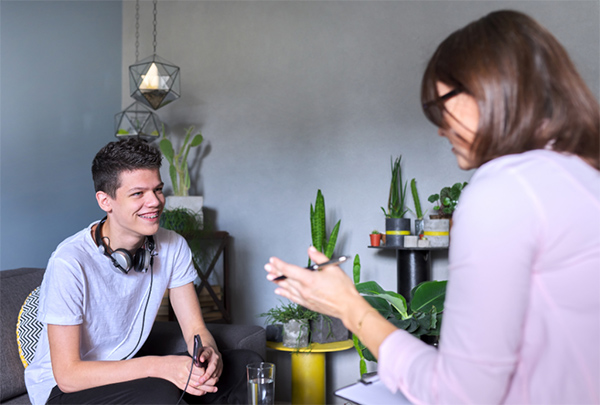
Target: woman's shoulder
[(538, 166)]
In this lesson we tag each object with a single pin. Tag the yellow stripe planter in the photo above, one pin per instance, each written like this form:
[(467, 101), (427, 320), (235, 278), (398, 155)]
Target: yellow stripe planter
[(437, 231), (395, 230)]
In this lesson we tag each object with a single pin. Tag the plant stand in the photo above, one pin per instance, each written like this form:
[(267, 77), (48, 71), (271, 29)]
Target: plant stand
[(219, 300), (413, 266), (308, 369)]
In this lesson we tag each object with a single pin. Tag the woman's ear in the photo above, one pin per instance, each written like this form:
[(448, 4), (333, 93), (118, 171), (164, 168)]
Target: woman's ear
[(104, 201)]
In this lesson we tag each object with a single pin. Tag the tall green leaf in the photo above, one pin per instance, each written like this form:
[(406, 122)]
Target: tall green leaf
[(356, 269), (428, 294), (332, 240)]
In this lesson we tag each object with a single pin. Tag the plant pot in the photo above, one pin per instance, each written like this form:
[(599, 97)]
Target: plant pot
[(437, 231), (275, 333), (396, 229), (193, 203), (375, 239), (419, 225), (295, 333), (328, 330)]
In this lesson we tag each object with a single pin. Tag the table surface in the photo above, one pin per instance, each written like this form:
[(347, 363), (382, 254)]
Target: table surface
[(314, 347)]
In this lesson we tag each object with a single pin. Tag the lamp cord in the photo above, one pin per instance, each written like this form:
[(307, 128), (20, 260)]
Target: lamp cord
[(137, 30), (154, 32)]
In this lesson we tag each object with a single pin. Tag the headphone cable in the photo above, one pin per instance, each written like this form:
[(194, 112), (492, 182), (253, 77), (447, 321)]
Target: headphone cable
[(187, 383), (144, 314)]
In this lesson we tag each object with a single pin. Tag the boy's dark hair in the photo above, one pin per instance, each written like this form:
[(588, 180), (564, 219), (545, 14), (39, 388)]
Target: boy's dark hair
[(528, 91), (119, 156)]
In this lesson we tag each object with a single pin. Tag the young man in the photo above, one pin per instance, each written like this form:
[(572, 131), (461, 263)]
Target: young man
[(101, 293)]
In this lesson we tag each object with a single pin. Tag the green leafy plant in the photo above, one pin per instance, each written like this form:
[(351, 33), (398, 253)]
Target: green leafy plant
[(422, 317), (288, 312), (397, 197), (447, 200), (318, 229), (178, 164), (415, 195), (181, 220), (375, 232)]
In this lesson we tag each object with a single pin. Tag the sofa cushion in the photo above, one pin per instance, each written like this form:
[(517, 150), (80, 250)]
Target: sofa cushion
[(15, 286), (29, 328)]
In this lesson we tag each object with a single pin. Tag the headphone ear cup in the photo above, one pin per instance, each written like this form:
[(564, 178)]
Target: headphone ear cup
[(141, 260), (122, 260)]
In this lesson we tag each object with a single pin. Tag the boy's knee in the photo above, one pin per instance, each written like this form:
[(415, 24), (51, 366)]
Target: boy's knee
[(157, 391)]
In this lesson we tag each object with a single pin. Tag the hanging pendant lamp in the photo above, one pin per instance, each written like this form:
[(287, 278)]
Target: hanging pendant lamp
[(137, 120), (154, 81)]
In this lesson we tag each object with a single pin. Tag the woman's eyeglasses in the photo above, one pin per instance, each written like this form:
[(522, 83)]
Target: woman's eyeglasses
[(434, 109)]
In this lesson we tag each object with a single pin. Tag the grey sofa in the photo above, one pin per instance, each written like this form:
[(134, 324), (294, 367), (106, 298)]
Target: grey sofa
[(165, 338)]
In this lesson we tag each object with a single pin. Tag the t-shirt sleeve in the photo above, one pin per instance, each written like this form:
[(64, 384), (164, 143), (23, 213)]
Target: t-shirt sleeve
[(492, 252), (62, 294), (183, 271)]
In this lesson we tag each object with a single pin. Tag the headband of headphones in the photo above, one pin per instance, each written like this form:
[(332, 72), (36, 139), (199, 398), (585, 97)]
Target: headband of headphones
[(122, 260)]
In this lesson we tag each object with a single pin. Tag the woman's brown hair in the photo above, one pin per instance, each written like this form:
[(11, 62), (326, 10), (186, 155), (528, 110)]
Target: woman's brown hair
[(529, 94)]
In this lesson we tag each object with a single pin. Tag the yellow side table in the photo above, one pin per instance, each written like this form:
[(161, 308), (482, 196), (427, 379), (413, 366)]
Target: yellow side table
[(308, 369)]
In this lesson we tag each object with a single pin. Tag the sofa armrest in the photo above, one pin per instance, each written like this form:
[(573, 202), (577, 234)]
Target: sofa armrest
[(166, 338)]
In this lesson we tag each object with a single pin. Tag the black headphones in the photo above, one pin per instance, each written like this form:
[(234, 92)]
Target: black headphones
[(122, 259)]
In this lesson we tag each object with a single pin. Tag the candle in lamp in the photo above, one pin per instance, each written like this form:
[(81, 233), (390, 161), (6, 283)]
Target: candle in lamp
[(151, 80)]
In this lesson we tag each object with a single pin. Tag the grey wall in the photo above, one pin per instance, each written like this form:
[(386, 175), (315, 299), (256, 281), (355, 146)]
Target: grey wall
[(60, 88), (295, 96)]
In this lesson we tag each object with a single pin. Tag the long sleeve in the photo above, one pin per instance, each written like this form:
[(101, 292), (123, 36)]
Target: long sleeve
[(522, 297)]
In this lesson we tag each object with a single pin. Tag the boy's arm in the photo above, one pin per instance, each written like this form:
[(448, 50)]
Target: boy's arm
[(73, 374), (184, 301)]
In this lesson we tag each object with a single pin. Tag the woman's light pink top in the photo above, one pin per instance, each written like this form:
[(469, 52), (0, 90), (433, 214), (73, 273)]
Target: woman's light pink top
[(522, 313)]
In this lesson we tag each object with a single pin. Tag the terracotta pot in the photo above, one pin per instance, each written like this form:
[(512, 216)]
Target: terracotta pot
[(375, 239)]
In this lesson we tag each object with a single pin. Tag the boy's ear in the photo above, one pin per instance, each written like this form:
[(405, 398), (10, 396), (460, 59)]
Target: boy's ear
[(104, 201)]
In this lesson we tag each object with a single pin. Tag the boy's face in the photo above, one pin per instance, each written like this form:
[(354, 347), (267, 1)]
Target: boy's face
[(135, 211)]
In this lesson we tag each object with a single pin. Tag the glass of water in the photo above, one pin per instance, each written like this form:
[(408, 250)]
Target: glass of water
[(261, 383)]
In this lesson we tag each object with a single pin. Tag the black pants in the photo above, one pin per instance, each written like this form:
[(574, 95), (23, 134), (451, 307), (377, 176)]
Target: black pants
[(231, 385)]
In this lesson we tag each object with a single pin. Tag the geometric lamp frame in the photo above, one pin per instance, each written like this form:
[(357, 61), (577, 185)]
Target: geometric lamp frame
[(154, 82), (137, 120)]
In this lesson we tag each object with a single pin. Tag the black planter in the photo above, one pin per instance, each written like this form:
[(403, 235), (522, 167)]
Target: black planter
[(325, 330), (395, 229)]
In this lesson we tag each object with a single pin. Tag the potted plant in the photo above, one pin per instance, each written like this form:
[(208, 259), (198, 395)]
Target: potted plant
[(446, 201), (437, 227), (295, 320), (318, 230), (375, 238), (179, 171), (422, 317), (324, 329), (418, 210), (396, 226)]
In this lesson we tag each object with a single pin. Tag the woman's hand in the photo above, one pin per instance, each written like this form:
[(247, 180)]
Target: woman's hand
[(329, 291)]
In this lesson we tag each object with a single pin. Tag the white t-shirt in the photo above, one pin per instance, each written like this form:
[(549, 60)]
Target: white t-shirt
[(116, 311)]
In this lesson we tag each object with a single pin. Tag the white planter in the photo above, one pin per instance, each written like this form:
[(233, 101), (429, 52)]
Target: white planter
[(193, 203), (437, 231), (410, 241), (295, 333)]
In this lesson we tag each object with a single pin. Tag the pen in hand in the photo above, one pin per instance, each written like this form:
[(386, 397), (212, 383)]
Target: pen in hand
[(315, 267)]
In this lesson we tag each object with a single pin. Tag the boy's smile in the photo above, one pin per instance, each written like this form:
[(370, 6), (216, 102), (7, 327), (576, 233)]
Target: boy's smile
[(135, 211)]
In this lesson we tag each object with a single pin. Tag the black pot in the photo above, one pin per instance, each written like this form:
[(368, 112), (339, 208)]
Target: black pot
[(395, 230), (325, 330)]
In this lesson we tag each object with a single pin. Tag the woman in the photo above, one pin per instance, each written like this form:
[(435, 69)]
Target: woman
[(522, 311)]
